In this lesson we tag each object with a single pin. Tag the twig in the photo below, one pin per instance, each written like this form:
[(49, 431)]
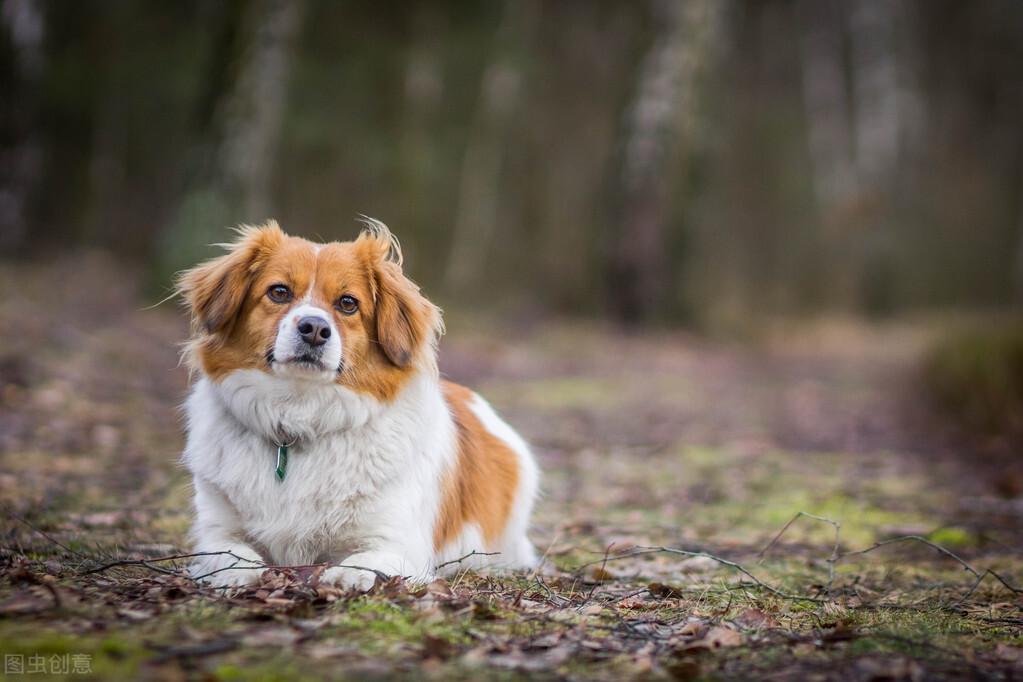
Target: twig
[(43, 533), (231, 567), (379, 574), (463, 558), (543, 557), (925, 541), (146, 562), (834, 551), (640, 551), (836, 557), (980, 579), (603, 571)]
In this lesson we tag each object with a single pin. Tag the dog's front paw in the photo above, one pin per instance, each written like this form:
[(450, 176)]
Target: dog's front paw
[(235, 567), (360, 571)]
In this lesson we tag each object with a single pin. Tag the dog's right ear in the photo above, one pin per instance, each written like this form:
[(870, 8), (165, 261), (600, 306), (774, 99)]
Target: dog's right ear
[(214, 291)]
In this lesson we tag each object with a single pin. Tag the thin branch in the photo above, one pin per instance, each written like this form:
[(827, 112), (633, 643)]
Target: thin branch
[(145, 563), (835, 558), (834, 551), (922, 540), (461, 559), (543, 557), (43, 533), (640, 551), (980, 579)]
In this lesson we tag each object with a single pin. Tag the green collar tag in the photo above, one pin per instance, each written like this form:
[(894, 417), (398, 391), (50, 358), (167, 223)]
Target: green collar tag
[(282, 462)]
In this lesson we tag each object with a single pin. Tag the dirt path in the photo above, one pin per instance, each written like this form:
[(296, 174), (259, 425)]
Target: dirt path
[(650, 441)]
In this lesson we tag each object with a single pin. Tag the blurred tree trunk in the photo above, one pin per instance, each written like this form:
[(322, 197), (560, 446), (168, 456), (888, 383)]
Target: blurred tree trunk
[(476, 216), (853, 127), (875, 59), (253, 114), (241, 114), (875, 91), (826, 103), (1017, 261), (20, 161), (423, 92), (659, 122)]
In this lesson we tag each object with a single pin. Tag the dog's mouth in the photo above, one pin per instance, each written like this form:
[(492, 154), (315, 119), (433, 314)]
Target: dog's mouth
[(307, 361)]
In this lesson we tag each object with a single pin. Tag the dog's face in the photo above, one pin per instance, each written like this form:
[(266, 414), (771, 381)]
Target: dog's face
[(340, 312)]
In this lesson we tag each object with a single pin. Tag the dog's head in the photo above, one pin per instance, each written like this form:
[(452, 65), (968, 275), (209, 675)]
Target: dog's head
[(340, 312)]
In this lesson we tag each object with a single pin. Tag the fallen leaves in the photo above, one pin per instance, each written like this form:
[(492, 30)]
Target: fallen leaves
[(1009, 653), (755, 619), (32, 600), (705, 638), (92, 444), (662, 591)]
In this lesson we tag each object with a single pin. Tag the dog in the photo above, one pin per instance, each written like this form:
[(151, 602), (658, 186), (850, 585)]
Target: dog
[(320, 431)]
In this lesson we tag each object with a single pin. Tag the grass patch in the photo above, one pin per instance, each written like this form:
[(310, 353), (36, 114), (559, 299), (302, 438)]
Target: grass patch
[(976, 374)]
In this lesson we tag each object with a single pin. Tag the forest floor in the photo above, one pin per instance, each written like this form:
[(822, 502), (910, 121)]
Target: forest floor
[(671, 467)]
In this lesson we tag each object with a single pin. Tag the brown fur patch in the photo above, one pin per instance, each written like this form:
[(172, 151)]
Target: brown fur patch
[(384, 343), (481, 486)]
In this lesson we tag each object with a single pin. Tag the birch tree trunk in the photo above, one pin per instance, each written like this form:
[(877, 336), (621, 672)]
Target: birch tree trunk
[(876, 90), (853, 120), (876, 109), (658, 124), (242, 110), (252, 115), (827, 106), (476, 217)]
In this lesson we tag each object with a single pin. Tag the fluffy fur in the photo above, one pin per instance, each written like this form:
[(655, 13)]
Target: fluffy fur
[(392, 471)]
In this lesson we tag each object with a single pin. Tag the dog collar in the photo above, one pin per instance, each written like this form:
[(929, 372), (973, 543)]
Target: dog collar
[(281, 468)]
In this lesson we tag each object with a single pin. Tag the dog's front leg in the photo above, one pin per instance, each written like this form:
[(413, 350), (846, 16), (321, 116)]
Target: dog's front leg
[(226, 560), (360, 570)]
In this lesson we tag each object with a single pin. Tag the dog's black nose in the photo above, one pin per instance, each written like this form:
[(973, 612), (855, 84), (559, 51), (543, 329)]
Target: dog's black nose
[(314, 330)]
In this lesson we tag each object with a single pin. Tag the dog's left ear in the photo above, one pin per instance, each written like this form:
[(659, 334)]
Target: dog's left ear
[(406, 322)]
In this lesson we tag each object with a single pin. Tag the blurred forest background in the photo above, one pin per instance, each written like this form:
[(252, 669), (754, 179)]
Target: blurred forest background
[(721, 262), (706, 163)]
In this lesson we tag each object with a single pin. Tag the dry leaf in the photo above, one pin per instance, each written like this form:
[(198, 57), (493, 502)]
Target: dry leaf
[(1005, 652), (692, 628), (755, 619), (720, 636), (440, 588), (717, 637), (437, 647), (662, 591), (24, 603)]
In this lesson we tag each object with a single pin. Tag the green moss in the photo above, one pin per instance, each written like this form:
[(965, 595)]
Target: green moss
[(379, 623), (107, 658), (228, 671), (953, 537), (774, 487)]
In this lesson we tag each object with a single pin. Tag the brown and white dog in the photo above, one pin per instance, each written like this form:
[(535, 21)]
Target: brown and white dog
[(319, 430)]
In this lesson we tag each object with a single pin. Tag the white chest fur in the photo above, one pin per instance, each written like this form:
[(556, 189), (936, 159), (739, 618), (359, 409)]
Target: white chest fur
[(359, 469)]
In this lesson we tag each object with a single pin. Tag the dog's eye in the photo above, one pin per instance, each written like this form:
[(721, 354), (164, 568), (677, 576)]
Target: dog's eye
[(278, 293), (347, 304)]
